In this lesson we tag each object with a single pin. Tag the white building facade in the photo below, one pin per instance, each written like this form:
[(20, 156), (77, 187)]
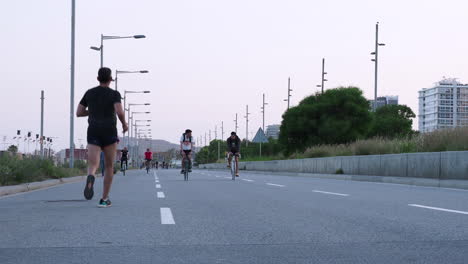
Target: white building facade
[(443, 106)]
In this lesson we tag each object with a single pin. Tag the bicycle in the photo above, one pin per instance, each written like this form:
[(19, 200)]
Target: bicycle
[(186, 166), (124, 168), (234, 165), (147, 167)]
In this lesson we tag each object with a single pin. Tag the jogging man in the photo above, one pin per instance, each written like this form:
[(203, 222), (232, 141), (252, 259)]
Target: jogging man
[(124, 158), (148, 157), (186, 146), (101, 104), (233, 147)]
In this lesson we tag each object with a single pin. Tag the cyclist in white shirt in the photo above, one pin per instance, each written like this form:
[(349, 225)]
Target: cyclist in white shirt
[(186, 146)]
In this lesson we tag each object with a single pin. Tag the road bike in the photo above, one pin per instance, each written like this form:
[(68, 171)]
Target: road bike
[(234, 165), (124, 167), (186, 166), (148, 167)]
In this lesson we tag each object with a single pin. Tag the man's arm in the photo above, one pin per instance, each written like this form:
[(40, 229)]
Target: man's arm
[(81, 111), (120, 113)]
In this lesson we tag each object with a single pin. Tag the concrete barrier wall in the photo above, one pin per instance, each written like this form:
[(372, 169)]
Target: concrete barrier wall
[(435, 165)]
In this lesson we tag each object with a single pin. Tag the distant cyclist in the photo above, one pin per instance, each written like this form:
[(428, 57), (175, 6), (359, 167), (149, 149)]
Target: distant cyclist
[(148, 157), (186, 146), (101, 105), (233, 147), (124, 158)]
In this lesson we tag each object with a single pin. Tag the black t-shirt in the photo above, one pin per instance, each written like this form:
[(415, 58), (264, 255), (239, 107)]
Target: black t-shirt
[(233, 144), (100, 102), (124, 154)]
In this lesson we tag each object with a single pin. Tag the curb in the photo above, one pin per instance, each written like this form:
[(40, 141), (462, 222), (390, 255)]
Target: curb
[(26, 187), (425, 182)]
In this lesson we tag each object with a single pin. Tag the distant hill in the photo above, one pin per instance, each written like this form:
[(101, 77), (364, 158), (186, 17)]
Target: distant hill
[(157, 145)]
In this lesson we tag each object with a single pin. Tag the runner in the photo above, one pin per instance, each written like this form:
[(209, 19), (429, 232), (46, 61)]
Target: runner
[(101, 104)]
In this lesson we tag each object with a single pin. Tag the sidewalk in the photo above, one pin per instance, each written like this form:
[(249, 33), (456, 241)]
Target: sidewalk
[(25, 187)]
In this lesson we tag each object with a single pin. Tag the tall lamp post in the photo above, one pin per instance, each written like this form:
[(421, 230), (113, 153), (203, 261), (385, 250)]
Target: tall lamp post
[(72, 86), (134, 125), (376, 60), (130, 119), (103, 37), (323, 76), (289, 92)]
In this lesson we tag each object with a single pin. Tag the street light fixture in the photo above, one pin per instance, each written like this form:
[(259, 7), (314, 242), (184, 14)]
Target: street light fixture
[(101, 48), (323, 76), (121, 72), (376, 60)]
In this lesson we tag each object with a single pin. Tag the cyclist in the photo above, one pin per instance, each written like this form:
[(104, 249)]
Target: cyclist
[(101, 105), (233, 146), (186, 146), (124, 158), (148, 157)]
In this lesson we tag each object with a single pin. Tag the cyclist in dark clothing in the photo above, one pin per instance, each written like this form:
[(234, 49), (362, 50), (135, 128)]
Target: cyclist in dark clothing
[(233, 148), (124, 158), (101, 105)]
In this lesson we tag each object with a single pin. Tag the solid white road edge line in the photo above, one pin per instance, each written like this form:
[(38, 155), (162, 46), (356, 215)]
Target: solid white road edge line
[(166, 216), (161, 195), (438, 209), (332, 193), (247, 180), (277, 185)]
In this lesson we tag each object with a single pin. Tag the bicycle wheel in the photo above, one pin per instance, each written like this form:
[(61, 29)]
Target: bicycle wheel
[(233, 168)]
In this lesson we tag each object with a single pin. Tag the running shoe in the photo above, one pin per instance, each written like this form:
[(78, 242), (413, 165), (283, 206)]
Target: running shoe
[(182, 171), (88, 191), (237, 174), (104, 203)]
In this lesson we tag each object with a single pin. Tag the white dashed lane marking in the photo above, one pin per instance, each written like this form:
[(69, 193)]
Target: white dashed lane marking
[(331, 193), (277, 185), (158, 186), (166, 216), (161, 195), (438, 209)]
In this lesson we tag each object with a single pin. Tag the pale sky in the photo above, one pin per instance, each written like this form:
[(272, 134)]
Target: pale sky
[(208, 59)]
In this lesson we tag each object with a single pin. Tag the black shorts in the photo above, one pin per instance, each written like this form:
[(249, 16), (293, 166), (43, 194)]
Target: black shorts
[(187, 152), (234, 151), (148, 160), (102, 137)]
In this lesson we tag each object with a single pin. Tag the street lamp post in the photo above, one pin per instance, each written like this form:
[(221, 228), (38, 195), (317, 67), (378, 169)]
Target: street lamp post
[(323, 76), (375, 60), (135, 126), (103, 37), (72, 86), (289, 92), (130, 117), (121, 72), (247, 125)]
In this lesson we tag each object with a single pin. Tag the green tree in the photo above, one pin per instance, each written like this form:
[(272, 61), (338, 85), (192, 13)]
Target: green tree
[(337, 116), (393, 121), (13, 149)]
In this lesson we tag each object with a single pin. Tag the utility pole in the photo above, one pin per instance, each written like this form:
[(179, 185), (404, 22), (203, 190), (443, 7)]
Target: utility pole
[(222, 130), (247, 125), (263, 112), (323, 75), (235, 124), (289, 92), (205, 138), (375, 60), (72, 86), (209, 136), (216, 132), (42, 123)]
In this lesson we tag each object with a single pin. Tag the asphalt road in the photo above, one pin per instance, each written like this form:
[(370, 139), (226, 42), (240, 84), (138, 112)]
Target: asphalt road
[(159, 218)]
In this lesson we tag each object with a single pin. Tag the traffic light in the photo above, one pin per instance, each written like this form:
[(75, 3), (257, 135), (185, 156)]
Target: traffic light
[(29, 134), (18, 132), (37, 136)]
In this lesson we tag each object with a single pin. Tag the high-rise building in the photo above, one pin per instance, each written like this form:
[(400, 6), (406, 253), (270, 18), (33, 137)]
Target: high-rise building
[(273, 131), (443, 106), (385, 100)]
